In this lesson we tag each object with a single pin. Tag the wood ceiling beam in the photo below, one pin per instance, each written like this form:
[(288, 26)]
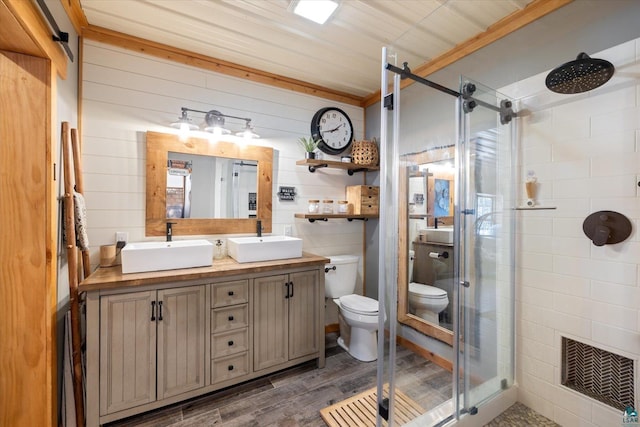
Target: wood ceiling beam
[(182, 56), (532, 12), (76, 15)]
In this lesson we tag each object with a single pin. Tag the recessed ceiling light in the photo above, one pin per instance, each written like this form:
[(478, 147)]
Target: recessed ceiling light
[(315, 10)]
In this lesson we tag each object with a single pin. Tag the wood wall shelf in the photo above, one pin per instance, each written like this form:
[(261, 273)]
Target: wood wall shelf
[(351, 168), (326, 217)]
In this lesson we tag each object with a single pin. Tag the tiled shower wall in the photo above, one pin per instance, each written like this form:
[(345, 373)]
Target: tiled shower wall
[(126, 93), (584, 150)]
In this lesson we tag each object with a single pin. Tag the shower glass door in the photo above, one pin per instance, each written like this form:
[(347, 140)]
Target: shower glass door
[(485, 225)]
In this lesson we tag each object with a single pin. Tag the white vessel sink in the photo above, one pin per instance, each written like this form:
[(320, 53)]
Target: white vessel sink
[(267, 248), (154, 256), (439, 235)]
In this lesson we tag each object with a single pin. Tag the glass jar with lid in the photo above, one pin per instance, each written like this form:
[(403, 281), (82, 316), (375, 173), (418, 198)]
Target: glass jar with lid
[(327, 206), (314, 206), (343, 207)]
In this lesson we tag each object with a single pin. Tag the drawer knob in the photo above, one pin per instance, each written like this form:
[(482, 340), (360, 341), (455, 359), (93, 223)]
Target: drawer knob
[(230, 318), (230, 293), (230, 343), (230, 367)]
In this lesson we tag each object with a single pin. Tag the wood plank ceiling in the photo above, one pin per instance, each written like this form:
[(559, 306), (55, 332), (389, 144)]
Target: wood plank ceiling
[(344, 55)]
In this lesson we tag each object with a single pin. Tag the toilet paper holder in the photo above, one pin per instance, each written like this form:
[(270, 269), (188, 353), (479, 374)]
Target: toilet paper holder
[(606, 227), (436, 255)]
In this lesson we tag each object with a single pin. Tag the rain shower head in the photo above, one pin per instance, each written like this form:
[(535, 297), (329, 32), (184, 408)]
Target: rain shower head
[(581, 75)]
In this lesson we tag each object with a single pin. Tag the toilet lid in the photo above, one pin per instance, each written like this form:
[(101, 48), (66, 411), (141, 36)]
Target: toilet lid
[(359, 304), (427, 291)]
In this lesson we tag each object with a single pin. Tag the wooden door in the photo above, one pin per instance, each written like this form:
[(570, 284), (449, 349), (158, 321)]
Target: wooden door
[(181, 338), (270, 320), (27, 248), (303, 314), (127, 351)]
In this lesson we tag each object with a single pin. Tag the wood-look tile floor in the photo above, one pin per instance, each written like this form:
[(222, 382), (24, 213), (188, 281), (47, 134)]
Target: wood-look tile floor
[(295, 396)]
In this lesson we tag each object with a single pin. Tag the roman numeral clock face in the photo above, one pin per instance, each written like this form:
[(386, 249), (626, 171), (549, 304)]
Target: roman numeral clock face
[(333, 129)]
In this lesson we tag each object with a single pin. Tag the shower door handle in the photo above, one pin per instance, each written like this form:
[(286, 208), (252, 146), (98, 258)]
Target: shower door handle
[(465, 283)]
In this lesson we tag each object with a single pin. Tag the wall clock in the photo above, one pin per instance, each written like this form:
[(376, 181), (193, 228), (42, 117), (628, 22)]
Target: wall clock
[(333, 130)]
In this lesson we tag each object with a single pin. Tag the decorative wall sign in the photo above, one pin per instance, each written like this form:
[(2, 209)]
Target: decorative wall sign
[(287, 193)]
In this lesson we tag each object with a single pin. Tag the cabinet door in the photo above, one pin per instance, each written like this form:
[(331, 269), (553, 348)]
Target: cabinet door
[(127, 351), (270, 321), (181, 335), (303, 314)]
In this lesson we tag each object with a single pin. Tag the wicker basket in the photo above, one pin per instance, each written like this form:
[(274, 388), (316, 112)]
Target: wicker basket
[(365, 153)]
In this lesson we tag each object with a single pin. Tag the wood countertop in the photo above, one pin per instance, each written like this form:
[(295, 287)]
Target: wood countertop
[(112, 277)]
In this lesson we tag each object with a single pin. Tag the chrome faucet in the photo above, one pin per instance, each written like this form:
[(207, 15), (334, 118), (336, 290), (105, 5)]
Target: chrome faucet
[(169, 231), (259, 228), (435, 222)]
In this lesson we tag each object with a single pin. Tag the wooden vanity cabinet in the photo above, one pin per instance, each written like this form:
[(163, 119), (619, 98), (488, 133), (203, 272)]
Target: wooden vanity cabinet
[(151, 346), (286, 318), (154, 339)]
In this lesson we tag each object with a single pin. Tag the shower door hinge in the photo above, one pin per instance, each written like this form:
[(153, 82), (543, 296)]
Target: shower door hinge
[(465, 283), (468, 211), (388, 102), (383, 409)]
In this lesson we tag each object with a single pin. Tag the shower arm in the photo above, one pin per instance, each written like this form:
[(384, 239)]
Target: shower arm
[(505, 110)]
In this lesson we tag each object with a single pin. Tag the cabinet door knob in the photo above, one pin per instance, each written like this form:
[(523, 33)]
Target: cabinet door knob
[(230, 318), (230, 367), (230, 343), (230, 293)]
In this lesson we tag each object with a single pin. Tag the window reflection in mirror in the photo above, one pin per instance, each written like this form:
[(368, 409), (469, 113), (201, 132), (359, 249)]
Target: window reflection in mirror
[(210, 187)]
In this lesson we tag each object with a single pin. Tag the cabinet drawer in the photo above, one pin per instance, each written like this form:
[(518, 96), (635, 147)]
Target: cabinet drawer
[(230, 293), (228, 318), (226, 368), (227, 343)]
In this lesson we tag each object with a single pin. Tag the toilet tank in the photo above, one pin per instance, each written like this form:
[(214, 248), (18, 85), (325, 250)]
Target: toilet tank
[(340, 275)]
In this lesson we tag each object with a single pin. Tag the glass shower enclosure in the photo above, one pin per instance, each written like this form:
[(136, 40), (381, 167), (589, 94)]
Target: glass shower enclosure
[(481, 357)]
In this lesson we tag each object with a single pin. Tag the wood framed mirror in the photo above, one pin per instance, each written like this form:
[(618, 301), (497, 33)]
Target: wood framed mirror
[(418, 198), (161, 146)]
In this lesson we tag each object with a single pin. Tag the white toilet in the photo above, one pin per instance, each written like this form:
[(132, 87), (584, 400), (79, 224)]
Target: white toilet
[(425, 301), (360, 313)]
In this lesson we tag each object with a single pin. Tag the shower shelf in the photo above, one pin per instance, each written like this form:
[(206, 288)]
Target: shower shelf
[(534, 208), (351, 168), (326, 217)]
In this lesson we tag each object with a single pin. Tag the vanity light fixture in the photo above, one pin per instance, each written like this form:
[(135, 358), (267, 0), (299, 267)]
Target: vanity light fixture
[(214, 122), (318, 11)]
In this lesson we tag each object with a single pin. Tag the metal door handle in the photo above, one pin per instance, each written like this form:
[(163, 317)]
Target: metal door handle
[(153, 311), (159, 310)]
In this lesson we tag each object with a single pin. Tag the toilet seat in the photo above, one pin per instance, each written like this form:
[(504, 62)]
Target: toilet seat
[(427, 291), (359, 304)]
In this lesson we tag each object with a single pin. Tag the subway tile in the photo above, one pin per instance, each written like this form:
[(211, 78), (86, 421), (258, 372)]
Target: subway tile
[(572, 401), (605, 416), (625, 119), (575, 306), (568, 324), (617, 164), (567, 227), (564, 128), (570, 246), (572, 189), (592, 147), (536, 261), (538, 297), (615, 272), (616, 338), (615, 315)]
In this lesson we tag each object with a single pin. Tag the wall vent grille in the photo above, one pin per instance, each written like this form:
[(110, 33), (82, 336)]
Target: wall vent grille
[(599, 374)]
